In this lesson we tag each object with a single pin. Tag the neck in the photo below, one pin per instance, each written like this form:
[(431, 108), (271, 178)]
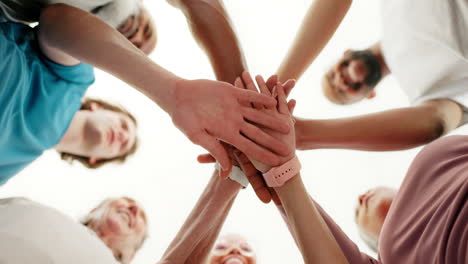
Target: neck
[(73, 140)]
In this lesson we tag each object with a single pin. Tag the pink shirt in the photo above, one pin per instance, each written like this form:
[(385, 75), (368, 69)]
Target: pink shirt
[(428, 220)]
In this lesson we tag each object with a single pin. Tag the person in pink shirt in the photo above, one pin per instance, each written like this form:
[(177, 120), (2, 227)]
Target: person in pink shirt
[(427, 220)]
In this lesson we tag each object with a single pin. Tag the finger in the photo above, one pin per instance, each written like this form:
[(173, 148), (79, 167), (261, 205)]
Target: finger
[(248, 81), (250, 85), (262, 85), (238, 83), (255, 151), (282, 104), (263, 139), (271, 82), (254, 177), (254, 97), (291, 106), (266, 120), (288, 86), (206, 158), (215, 148)]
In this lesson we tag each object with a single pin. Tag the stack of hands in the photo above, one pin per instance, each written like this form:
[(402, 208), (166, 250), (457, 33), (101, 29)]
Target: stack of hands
[(270, 136)]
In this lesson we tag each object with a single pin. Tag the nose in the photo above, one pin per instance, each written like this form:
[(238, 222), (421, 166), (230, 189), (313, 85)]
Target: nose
[(235, 250), (361, 198), (134, 209), (357, 71)]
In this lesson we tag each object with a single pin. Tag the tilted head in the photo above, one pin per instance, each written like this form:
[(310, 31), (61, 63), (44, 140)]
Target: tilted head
[(371, 211), (106, 133), (232, 249), (140, 29), (353, 77), (121, 224)]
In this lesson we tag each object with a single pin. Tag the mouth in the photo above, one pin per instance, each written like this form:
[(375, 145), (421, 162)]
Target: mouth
[(233, 260)]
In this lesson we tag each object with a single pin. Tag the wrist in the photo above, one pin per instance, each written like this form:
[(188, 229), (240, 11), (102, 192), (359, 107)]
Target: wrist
[(278, 176), (170, 99)]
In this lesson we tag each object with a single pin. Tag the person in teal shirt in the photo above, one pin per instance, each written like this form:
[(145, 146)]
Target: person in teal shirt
[(41, 108)]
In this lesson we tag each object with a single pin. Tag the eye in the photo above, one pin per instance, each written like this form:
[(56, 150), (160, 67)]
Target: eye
[(124, 124), (220, 247), (246, 248), (147, 31)]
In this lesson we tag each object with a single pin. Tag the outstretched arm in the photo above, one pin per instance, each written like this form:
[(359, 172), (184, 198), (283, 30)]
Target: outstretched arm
[(196, 237), (394, 129), (197, 107), (318, 26), (214, 32)]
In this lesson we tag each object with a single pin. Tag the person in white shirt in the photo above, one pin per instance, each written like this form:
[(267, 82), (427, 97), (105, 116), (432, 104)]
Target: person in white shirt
[(424, 46), (33, 233)]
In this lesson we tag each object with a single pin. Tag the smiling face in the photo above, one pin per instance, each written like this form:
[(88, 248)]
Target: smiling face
[(107, 134), (232, 249), (372, 209), (140, 30), (352, 78), (121, 224)]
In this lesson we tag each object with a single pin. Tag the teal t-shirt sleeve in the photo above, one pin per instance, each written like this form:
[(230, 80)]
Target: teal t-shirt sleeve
[(81, 74)]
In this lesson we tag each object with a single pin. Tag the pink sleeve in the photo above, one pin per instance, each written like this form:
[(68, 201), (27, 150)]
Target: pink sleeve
[(350, 250)]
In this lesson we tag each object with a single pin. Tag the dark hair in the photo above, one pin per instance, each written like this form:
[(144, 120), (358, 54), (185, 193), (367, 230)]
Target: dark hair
[(86, 105), (372, 63)]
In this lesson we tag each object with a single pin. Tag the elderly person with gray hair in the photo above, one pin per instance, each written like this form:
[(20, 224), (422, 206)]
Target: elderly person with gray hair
[(31, 232)]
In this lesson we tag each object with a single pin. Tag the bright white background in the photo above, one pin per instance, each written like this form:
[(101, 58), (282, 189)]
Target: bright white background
[(164, 175)]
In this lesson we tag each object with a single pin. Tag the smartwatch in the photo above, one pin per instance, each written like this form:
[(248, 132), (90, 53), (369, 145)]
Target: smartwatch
[(277, 176)]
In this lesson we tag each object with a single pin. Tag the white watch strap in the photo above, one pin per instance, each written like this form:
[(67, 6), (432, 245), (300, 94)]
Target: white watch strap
[(236, 175)]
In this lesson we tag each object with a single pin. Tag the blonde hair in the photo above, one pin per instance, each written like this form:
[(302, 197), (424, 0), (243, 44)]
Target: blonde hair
[(86, 105)]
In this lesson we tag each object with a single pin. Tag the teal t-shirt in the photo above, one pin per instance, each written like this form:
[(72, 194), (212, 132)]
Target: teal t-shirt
[(38, 98)]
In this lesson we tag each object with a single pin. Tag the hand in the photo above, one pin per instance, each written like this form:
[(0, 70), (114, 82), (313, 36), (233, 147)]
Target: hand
[(283, 111), (208, 111), (287, 85), (253, 175)]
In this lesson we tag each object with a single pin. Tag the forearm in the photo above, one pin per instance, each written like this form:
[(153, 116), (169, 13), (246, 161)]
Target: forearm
[(313, 237), (102, 46), (395, 129), (200, 230), (213, 30), (318, 26)]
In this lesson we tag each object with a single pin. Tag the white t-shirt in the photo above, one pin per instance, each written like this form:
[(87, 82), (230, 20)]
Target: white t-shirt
[(425, 44), (113, 12), (33, 233)]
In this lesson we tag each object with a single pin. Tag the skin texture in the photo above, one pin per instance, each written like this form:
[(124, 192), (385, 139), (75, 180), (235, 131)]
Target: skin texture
[(318, 26), (311, 233), (372, 209), (213, 30), (232, 249), (198, 234), (98, 134), (121, 224), (197, 107)]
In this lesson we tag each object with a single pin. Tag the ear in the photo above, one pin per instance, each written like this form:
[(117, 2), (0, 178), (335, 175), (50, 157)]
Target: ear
[(371, 95), (93, 161), (94, 107)]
